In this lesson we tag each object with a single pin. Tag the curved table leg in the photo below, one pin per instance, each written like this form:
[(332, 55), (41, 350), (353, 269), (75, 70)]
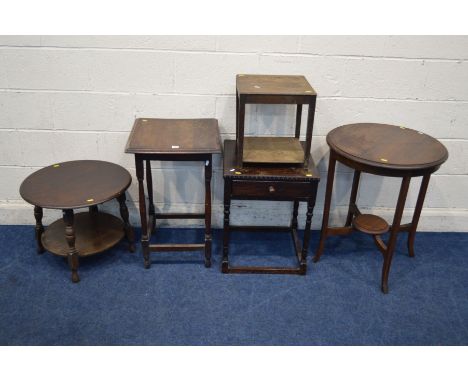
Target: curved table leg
[(73, 262), (326, 207), (352, 198), (208, 175), (388, 255), (129, 234), (417, 213), (39, 230)]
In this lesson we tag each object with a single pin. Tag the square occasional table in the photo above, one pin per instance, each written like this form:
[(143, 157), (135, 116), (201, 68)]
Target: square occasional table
[(172, 140), (274, 90), (266, 182)]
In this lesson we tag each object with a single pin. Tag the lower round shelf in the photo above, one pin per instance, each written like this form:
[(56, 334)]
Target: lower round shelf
[(94, 233), (371, 224)]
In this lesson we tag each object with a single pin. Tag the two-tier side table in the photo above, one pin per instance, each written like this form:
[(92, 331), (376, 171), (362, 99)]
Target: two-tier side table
[(385, 150), (172, 140), (273, 89), (72, 185), (288, 183)]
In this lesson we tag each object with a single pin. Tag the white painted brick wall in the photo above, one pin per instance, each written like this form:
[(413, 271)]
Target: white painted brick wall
[(74, 97)]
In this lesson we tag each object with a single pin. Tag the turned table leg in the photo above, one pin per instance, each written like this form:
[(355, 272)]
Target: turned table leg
[(305, 244), (208, 239), (388, 253), (39, 230), (68, 218), (129, 234), (417, 213), (144, 223), (352, 198), (326, 207), (227, 207)]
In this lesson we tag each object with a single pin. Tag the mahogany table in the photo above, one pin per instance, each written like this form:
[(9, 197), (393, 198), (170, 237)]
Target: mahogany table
[(79, 184), (274, 89), (384, 150), (287, 183), (172, 140)]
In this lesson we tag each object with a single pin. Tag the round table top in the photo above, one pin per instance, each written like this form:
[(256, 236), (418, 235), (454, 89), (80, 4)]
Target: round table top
[(387, 147), (75, 184)]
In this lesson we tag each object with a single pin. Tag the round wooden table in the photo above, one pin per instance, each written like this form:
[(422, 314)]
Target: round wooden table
[(79, 184), (385, 150)]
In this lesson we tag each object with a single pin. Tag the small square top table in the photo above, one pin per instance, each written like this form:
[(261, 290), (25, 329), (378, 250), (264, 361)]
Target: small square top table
[(273, 89), (172, 140)]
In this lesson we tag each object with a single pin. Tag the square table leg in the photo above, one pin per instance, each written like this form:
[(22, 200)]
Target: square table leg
[(208, 238), (68, 218), (149, 187)]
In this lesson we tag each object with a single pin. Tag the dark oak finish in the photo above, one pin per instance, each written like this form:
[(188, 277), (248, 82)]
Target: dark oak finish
[(255, 84), (172, 140), (79, 184), (385, 150), (268, 183), (273, 89), (93, 234), (371, 224), (174, 136), (71, 251), (75, 184), (39, 230)]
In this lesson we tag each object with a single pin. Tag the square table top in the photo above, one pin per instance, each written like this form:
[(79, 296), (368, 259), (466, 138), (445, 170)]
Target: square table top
[(256, 84), (174, 136)]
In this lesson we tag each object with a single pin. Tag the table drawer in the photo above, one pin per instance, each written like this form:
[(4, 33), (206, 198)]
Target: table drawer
[(271, 189)]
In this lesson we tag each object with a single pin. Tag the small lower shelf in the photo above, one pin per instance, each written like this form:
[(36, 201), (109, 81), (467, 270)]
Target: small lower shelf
[(371, 224), (273, 150), (94, 233)]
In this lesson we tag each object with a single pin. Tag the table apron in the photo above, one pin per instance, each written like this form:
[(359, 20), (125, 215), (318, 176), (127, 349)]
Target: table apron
[(272, 190), (382, 171), (176, 157)]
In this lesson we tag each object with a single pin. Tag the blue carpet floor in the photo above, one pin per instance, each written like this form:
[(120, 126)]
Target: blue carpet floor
[(179, 302)]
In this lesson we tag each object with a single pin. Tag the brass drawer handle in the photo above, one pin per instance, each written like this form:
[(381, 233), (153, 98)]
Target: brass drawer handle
[(271, 189)]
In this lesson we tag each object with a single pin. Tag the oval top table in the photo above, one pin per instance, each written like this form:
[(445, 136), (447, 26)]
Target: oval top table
[(78, 184), (385, 150)]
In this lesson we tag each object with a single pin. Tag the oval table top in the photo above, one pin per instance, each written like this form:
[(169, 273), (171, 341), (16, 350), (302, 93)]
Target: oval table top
[(387, 147), (75, 184)]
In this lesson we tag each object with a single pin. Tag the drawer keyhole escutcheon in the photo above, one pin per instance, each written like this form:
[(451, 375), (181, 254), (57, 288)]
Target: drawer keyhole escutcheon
[(271, 189)]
